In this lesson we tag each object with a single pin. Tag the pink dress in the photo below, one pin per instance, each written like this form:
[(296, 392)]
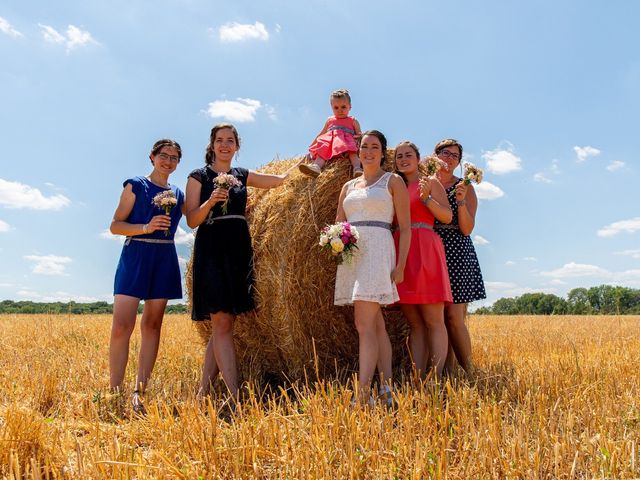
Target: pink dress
[(338, 139), (426, 278)]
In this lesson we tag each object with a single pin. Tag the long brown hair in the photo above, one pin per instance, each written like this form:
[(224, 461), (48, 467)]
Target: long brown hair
[(209, 156)]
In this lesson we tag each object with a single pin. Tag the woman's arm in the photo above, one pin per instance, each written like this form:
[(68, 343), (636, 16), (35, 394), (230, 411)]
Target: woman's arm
[(268, 180), (467, 207), (439, 203), (401, 206), (119, 224), (340, 215), (196, 212)]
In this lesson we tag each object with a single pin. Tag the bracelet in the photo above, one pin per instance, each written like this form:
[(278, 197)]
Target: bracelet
[(145, 228), (461, 203), (427, 200)]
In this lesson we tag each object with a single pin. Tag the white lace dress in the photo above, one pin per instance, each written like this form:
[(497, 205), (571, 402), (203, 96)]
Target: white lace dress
[(368, 276)]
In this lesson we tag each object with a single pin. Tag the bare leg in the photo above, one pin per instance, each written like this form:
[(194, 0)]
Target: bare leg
[(224, 349), (366, 314), (150, 327), (459, 334), (437, 339), (417, 338), (385, 353), (125, 309), (210, 370), (355, 161)]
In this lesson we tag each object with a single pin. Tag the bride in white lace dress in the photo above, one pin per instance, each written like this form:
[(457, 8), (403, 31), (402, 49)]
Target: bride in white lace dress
[(369, 281)]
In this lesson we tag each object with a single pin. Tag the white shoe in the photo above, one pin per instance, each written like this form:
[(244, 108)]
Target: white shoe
[(310, 169)]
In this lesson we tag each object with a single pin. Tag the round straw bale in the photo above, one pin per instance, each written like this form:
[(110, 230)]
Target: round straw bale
[(296, 329)]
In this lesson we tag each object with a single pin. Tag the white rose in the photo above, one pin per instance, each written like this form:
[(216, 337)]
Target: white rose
[(324, 239)]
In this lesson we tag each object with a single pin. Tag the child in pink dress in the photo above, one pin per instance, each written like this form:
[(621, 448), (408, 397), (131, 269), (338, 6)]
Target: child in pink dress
[(338, 136)]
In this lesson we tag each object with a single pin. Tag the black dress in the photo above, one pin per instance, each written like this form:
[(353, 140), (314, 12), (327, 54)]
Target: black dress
[(223, 275), (462, 262)]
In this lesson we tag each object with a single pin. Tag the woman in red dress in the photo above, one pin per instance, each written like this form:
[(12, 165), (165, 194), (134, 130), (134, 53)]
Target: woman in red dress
[(426, 288)]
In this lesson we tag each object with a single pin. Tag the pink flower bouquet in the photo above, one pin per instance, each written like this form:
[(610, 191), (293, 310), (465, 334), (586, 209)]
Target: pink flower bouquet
[(340, 240), (165, 201), (227, 182)]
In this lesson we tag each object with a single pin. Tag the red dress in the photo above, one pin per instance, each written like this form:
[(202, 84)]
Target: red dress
[(338, 139), (426, 278)]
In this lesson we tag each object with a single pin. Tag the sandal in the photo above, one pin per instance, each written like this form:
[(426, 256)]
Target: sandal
[(136, 403)]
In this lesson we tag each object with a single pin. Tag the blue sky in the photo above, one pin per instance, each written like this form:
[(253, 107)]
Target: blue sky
[(543, 95)]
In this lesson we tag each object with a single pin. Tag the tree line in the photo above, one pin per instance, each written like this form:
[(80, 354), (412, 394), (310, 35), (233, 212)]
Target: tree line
[(73, 308), (601, 300)]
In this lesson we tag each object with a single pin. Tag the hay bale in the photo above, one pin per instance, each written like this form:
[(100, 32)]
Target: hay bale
[(295, 284)]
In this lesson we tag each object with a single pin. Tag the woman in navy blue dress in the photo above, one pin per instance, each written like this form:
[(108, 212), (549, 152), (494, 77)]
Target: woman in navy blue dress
[(148, 268), (223, 274)]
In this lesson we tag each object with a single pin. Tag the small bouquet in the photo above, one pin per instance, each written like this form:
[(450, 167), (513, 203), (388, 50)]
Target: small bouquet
[(340, 240), (429, 166), (472, 174), (227, 182), (165, 200)]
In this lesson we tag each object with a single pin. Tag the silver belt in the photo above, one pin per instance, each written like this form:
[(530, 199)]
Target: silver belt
[(146, 240), (209, 221), (428, 226), (371, 223), (445, 226)]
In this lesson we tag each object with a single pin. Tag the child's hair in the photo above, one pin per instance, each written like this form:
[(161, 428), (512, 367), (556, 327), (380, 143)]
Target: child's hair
[(447, 142), (209, 156), (381, 138), (404, 143), (341, 93), (166, 142)]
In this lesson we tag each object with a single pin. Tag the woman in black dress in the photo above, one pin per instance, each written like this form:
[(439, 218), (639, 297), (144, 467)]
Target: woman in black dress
[(223, 277), (464, 270)]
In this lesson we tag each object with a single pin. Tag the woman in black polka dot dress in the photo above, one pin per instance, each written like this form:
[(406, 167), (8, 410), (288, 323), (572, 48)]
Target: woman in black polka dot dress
[(464, 270)]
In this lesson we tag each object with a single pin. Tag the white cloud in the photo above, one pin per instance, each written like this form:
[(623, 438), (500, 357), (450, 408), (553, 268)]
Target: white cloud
[(239, 32), (615, 165), (6, 285), (557, 281), (530, 259), (502, 160), (488, 191), (540, 177), (555, 168), (19, 195), (183, 237), (7, 28), (278, 28), (73, 37), (4, 227), (183, 263), (62, 297), (107, 235), (630, 253), (48, 264), (478, 240), (239, 110), (498, 286), (509, 263), (629, 226), (585, 152), (574, 270)]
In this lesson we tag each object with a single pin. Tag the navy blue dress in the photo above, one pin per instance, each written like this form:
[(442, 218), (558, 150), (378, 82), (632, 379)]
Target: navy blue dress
[(465, 275), (150, 270), (222, 269)]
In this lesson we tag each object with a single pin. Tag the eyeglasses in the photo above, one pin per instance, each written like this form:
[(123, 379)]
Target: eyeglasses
[(448, 154), (164, 156)]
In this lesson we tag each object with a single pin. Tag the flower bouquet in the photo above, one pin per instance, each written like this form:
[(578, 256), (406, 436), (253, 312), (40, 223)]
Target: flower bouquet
[(430, 165), (227, 182), (165, 201), (340, 240), (472, 174)]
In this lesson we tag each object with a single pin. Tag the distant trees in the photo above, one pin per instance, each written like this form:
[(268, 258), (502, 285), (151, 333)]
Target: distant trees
[(73, 308), (601, 300)]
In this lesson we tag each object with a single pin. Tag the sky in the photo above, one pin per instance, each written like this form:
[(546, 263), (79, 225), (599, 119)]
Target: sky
[(543, 95)]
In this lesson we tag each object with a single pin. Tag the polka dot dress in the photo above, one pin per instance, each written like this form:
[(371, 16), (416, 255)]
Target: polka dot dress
[(464, 270)]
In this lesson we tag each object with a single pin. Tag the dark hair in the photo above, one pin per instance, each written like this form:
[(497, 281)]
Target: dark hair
[(166, 142), (383, 142), (340, 93), (209, 156), (404, 143), (447, 142)]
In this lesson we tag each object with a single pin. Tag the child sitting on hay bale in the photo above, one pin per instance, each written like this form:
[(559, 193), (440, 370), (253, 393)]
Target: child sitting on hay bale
[(337, 138)]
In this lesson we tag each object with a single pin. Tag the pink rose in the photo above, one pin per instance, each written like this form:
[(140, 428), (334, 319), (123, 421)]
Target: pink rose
[(345, 239)]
